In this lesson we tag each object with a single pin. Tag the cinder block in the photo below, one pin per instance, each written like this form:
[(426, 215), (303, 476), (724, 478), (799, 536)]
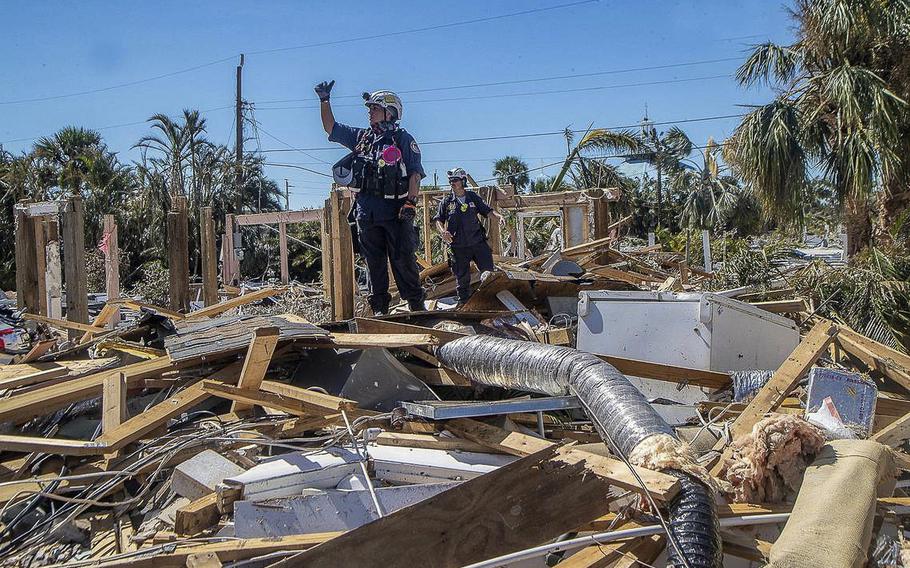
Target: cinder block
[(197, 476)]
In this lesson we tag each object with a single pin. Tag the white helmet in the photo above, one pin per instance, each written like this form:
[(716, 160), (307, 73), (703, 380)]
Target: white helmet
[(458, 173), (385, 99)]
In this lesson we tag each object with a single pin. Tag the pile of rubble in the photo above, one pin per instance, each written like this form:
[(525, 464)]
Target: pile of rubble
[(586, 408)]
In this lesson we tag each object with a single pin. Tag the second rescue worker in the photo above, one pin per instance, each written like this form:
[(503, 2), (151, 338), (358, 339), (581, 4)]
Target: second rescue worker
[(385, 171)]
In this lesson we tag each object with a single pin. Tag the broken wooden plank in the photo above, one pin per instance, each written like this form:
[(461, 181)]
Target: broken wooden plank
[(371, 325), (793, 306), (324, 403), (256, 363), (437, 376), (387, 340), (490, 515), (100, 322), (33, 378), (197, 516), (45, 400), (63, 447), (113, 402), (876, 356), (431, 442), (895, 433), (140, 306), (232, 303), (60, 323), (670, 373), (226, 551), (278, 402), (37, 350)]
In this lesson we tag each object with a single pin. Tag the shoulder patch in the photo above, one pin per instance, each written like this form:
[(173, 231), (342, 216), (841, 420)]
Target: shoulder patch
[(414, 147)]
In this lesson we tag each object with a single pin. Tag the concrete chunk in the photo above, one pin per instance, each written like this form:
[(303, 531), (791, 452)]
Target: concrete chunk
[(198, 476)]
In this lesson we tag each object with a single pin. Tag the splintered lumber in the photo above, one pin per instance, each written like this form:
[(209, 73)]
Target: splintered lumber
[(282, 402), (632, 552), (512, 508), (773, 393), (21, 407), (33, 378), (670, 373), (256, 363), (103, 318), (197, 516), (175, 556), (12, 443), (37, 350), (895, 433), (742, 545), (431, 442), (143, 423), (387, 340), (370, 325), (61, 323), (139, 306), (320, 402), (877, 357), (232, 303), (623, 275), (437, 376)]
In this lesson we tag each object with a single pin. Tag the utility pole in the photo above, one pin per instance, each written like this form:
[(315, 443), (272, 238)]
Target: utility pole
[(238, 157), (287, 195)]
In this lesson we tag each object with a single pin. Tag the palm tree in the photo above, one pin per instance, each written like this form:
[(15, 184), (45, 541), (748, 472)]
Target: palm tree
[(596, 140), (69, 153), (172, 143), (513, 171), (664, 152), (841, 108)]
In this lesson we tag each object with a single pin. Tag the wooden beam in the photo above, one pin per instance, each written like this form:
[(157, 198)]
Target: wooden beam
[(669, 373), (372, 325), (26, 263), (281, 401), (228, 274), (248, 298), (490, 515), (209, 259), (15, 443), (278, 217), (342, 257), (101, 321), (325, 243), (256, 363), (431, 442), (437, 376), (156, 416), (387, 340), (773, 393), (33, 378), (139, 306), (283, 252), (111, 258), (178, 255), (40, 246), (62, 324), (113, 402), (876, 356), (74, 263), (427, 228), (226, 551), (197, 516), (54, 269), (895, 433)]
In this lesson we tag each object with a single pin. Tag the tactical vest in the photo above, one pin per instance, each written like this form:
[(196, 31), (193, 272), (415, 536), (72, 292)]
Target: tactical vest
[(371, 174)]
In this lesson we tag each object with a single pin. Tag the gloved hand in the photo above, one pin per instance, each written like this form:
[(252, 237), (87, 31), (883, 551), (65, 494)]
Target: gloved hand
[(323, 90), (409, 210)]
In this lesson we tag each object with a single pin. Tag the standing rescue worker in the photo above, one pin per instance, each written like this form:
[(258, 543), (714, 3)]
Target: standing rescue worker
[(459, 226), (384, 171)]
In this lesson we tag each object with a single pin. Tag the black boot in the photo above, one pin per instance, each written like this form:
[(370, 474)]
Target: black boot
[(416, 306)]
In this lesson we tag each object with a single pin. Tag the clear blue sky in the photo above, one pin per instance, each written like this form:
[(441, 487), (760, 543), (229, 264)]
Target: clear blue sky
[(60, 48)]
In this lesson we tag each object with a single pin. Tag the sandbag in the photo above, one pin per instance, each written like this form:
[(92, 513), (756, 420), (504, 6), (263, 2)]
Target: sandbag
[(831, 521)]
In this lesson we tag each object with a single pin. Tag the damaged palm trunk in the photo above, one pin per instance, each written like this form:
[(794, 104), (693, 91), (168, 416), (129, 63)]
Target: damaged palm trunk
[(622, 416)]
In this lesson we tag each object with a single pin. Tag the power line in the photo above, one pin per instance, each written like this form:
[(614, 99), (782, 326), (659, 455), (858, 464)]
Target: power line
[(258, 125), (112, 126), (118, 86), (298, 167), (424, 29), (532, 80), (533, 134), (531, 93), (296, 47)]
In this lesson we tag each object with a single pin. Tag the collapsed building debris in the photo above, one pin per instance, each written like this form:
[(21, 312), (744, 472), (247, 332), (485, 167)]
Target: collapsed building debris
[(586, 407)]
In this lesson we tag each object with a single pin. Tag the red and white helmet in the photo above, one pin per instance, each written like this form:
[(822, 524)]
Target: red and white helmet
[(385, 99)]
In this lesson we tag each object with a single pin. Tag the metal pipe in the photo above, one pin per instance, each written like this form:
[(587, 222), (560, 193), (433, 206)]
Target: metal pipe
[(604, 537)]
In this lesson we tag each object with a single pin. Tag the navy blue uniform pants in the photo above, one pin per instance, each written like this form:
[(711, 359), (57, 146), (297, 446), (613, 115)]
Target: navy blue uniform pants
[(482, 257), (390, 242)]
